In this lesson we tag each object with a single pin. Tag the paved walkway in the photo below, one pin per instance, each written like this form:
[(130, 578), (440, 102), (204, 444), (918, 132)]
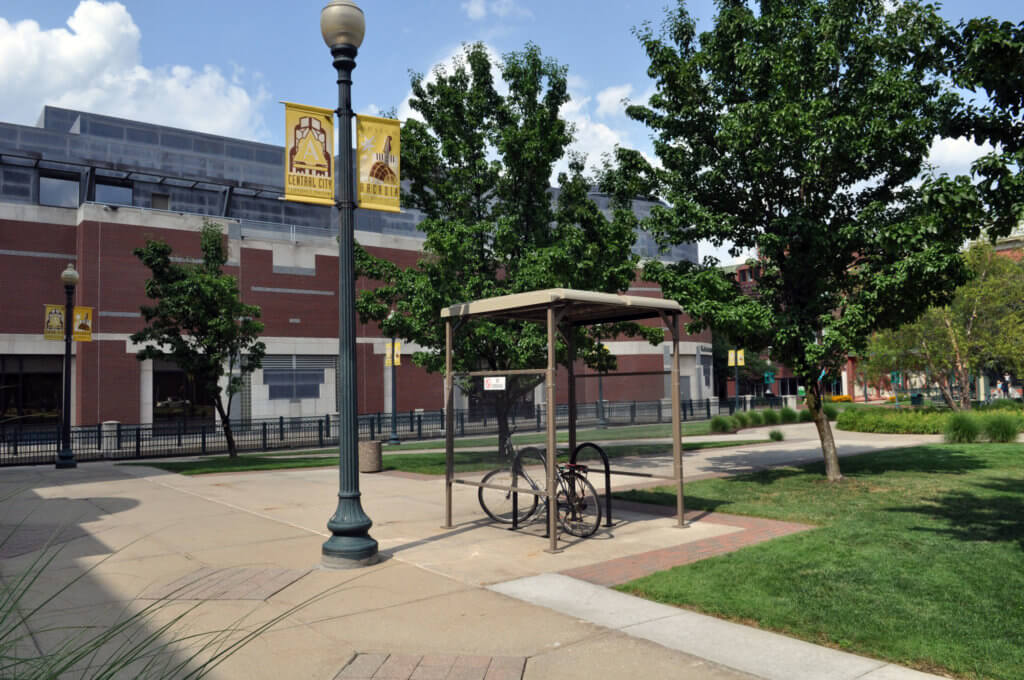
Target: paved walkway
[(241, 551)]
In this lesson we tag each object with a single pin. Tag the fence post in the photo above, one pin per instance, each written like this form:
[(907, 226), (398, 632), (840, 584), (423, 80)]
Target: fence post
[(320, 432), (419, 427), (537, 411), (707, 403), (659, 411), (373, 434), (412, 423), (119, 436), (632, 412), (462, 424), (138, 441), (327, 425), (264, 428), (280, 427), (202, 430), (181, 431)]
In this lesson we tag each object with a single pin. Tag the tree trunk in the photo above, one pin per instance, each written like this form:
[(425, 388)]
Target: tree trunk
[(501, 415), (225, 422), (961, 369), (828, 443)]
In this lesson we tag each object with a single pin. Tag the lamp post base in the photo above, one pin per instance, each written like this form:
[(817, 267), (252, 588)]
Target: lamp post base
[(349, 552), (66, 460)]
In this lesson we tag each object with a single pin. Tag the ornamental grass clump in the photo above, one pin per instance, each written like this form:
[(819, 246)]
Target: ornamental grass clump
[(830, 411), (806, 416), (893, 421), (755, 418), (787, 415), (776, 435), (770, 417), (742, 419), (722, 425), (962, 428), (1001, 427)]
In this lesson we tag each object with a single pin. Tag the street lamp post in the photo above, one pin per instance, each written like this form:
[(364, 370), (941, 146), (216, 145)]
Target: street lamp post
[(66, 457), (342, 25), (394, 397)]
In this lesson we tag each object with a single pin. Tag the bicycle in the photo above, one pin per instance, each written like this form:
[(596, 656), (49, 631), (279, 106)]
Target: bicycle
[(579, 511)]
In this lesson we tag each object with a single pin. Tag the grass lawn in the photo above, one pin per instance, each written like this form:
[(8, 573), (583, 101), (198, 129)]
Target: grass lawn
[(919, 558), (423, 463)]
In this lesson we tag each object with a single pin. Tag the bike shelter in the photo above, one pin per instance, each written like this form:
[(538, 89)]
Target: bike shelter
[(559, 310)]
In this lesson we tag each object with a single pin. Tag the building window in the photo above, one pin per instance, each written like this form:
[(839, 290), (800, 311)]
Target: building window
[(294, 383), (160, 201), (58, 191), (114, 194)]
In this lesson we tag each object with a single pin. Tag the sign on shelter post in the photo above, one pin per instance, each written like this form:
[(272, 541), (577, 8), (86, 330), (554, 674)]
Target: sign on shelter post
[(378, 154), (309, 154)]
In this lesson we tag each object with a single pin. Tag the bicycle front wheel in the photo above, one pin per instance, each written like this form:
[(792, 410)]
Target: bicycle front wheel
[(579, 510), (497, 503)]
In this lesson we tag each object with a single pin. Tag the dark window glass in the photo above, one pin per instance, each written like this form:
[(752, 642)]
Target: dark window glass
[(59, 192), (113, 194), (293, 383)]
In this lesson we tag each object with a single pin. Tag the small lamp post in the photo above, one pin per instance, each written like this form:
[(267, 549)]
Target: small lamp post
[(66, 457), (343, 25), (394, 395)]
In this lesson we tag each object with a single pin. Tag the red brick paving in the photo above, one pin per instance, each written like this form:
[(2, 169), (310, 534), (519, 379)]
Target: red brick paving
[(753, 530)]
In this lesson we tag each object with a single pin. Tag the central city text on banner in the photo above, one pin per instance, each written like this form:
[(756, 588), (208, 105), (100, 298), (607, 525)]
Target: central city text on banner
[(309, 154), (378, 149)]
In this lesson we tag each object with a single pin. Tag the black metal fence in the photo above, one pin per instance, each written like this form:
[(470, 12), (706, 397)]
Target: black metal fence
[(34, 444)]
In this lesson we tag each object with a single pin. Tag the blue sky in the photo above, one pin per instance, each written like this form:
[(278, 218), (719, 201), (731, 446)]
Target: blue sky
[(222, 66)]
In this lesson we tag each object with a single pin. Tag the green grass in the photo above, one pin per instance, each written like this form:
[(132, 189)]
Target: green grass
[(422, 463), (657, 431), (919, 558)]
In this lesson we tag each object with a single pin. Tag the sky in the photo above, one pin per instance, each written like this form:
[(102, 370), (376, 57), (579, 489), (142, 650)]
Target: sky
[(223, 66)]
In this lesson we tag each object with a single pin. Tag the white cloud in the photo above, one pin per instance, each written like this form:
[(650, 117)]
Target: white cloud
[(609, 100), (96, 66), (954, 156), (479, 9)]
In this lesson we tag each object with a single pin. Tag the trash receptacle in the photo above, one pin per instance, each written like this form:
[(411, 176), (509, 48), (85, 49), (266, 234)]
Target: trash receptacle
[(370, 459), (917, 399)]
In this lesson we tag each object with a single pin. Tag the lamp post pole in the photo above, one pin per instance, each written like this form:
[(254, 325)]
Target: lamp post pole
[(394, 397), (342, 25), (66, 457)]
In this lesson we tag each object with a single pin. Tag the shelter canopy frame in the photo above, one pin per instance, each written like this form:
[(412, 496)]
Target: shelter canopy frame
[(559, 309)]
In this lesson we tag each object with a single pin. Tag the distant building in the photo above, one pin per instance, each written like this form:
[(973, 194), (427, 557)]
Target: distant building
[(87, 189)]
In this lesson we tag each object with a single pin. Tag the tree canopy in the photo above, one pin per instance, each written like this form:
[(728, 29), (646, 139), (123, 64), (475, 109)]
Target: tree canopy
[(479, 162), (797, 129), (198, 320)]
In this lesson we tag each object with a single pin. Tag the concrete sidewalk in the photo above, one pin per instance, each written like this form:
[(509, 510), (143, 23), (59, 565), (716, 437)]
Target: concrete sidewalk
[(474, 601)]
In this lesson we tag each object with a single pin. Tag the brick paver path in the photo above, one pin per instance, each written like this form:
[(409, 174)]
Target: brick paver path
[(623, 569), (432, 667)]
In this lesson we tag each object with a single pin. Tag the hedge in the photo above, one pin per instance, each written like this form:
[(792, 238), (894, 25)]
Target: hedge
[(928, 421)]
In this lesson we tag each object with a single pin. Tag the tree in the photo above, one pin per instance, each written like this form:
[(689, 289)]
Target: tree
[(797, 128), (979, 331), (199, 322), (479, 165)]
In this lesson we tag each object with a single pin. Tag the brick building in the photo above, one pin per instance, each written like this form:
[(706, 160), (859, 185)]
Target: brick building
[(87, 189)]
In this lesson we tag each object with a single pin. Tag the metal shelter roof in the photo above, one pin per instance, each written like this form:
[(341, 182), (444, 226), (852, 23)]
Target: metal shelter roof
[(580, 306)]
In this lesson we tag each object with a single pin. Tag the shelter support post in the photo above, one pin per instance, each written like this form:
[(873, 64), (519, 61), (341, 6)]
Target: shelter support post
[(567, 333), (449, 425), (677, 445), (552, 449)]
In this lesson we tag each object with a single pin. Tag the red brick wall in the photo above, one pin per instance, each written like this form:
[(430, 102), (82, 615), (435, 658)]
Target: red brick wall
[(29, 283), (107, 380)]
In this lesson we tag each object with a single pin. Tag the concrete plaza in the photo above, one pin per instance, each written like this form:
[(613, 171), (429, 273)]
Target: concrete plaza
[(237, 550)]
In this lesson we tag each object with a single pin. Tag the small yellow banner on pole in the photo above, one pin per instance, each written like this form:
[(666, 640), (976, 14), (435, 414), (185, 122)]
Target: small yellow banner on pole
[(393, 354), (82, 330), (739, 357), (736, 357), (53, 325), (378, 153), (309, 154)]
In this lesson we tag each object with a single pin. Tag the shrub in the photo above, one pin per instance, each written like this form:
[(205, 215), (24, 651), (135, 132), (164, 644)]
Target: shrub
[(962, 428), (841, 397), (1001, 427), (722, 425), (742, 419), (893, 421), (770, 417), (787, 415), (806, 416), (776, 435), (1003, 405), (831, 412), (755, 418)]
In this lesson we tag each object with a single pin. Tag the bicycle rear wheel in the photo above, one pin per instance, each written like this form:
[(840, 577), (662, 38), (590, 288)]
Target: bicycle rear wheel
[(497, 503), (579, 510)]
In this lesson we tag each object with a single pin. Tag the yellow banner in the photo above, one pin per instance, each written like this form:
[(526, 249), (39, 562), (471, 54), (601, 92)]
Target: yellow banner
[(309, 154), (393, 355), (82, 330), (53, 325), (378, 150), (739, 357)]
